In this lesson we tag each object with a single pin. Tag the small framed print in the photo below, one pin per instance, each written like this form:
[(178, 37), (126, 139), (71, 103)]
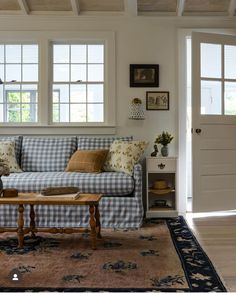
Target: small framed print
[(144, 75), (157, 101)]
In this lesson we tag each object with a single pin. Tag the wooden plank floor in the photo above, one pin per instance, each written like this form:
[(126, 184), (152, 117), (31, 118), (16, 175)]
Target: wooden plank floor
[(217, 236)]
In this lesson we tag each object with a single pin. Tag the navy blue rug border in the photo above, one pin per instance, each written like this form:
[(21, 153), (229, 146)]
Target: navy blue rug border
[(180, 234)]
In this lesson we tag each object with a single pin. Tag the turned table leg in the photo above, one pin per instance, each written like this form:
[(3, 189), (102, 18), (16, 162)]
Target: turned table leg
[(92, 223), (98, 224), (32, 220), (20, 230)]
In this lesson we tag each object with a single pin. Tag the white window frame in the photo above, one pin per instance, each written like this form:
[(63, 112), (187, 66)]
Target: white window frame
[(44, 125)]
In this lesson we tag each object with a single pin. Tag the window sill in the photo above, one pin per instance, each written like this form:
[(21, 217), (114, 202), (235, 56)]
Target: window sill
[(56, 129)]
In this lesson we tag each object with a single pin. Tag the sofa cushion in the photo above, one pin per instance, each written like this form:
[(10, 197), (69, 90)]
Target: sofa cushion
[(18, 141), (93, 143), (107, 183), (7, 153), (88, 161), (123, 155), (43, 154)]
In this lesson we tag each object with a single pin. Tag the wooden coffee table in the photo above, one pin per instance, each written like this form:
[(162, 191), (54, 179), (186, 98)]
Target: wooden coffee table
[(32, 199)]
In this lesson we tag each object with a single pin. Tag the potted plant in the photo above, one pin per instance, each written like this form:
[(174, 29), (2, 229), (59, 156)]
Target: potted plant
[(164, 139)]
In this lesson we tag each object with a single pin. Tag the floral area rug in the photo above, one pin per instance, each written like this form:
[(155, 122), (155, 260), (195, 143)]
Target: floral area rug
[(163, 255)]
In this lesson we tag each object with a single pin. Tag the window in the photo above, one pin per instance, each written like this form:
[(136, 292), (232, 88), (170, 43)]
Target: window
[(19, 83), (78, 83)]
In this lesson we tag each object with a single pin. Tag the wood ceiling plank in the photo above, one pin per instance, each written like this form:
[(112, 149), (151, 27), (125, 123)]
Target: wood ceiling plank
[(206, 6), (9, 5), (49, 5), (157, 5), (101, 5)]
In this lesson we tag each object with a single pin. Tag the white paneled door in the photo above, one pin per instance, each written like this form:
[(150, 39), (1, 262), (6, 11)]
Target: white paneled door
[(214, 122)]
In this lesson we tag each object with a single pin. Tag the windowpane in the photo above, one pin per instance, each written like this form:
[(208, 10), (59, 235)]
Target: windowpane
[(210, 97), (29, 93), (1, 113), (61, 53), (1, 53), (1, 93), (61, 92), (210, 60), (95, 93), (78, 54), (230, 98), (78, 112), (64, 113), (30, 73), (13, 72), (80, 76), (95, 53), (95, 112), (13, 53), (13, 113), (78, 72), (61, 72), (230, 61), (29, 112), (30, 54), (2, 72), (12, 93), (78, 93), (95, 73)]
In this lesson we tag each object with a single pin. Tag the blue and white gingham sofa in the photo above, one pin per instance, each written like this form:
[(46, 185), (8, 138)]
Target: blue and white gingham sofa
[(43, 160)]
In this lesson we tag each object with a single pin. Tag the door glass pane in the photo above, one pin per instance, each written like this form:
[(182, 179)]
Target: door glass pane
[(230, 98), (210, 97), (210, 60), (13, 113), (13, 53), (30, 53), (78, 53), (61, 53), (230, 61)]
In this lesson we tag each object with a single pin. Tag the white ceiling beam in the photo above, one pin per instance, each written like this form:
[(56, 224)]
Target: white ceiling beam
[(75, 6), (131, 7), (180, 7), (232, 7), (24, 6)]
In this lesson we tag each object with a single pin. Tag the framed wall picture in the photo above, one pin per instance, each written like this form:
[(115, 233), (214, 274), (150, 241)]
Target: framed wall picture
[(144, 75), (157, 100)]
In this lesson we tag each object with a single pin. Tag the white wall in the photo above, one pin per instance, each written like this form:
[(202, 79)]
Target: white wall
[(138, 40)]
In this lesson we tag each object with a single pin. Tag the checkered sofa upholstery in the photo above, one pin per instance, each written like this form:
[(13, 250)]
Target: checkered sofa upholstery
[(120, 207)]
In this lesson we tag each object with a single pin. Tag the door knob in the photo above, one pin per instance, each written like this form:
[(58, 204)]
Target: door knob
[(198, 130)]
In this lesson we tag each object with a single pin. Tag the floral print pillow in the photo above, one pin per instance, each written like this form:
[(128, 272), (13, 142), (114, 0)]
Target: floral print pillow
[(7, 153), (123, 155)]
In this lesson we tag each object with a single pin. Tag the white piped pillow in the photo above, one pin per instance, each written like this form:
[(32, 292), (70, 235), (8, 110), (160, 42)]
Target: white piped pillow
[(123, 155), (7, 153)]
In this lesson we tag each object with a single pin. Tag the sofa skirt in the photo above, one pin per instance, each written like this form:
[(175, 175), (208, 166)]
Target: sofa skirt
[(115, 212)]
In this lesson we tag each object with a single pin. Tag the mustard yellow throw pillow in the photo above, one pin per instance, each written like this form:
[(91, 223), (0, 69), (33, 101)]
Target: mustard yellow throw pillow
[(87, 161), (7, 153), (123, 155)]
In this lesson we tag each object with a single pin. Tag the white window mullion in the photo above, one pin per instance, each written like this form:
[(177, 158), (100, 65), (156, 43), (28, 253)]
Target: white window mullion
[(223, 78)]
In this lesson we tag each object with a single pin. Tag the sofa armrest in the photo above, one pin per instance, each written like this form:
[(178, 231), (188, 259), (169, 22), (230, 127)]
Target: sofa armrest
[(137, 174)]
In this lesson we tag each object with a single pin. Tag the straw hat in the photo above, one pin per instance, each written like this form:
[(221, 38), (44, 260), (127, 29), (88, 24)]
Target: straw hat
[(160, 187)]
